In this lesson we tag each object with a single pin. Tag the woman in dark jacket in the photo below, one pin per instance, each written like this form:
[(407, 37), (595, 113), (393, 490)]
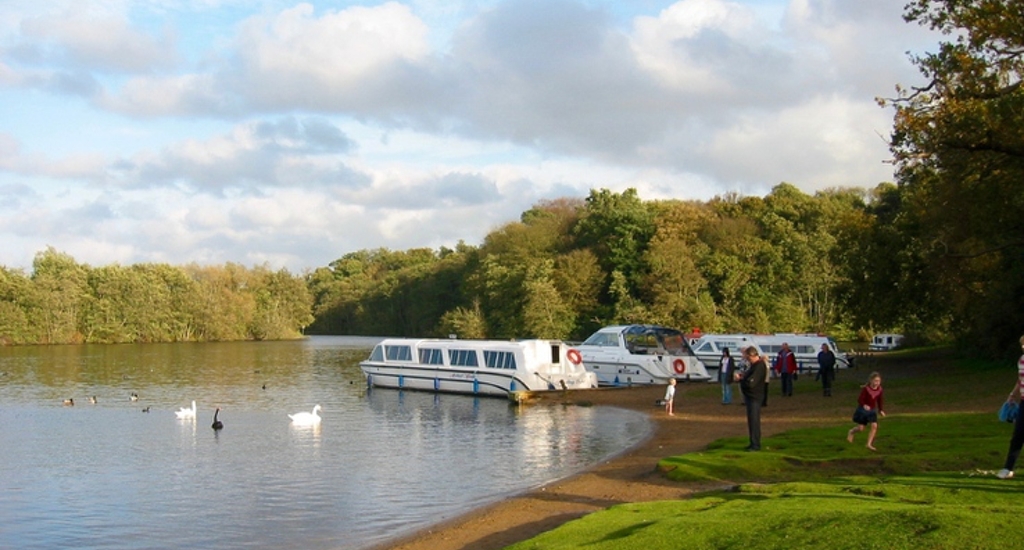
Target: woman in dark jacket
[(752, 385)]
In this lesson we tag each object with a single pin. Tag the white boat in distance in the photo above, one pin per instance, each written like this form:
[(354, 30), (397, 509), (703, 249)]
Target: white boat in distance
[(625, 355), (476, 367), (805, 348)]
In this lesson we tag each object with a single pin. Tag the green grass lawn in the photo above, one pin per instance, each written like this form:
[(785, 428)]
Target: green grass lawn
[(931, 485)]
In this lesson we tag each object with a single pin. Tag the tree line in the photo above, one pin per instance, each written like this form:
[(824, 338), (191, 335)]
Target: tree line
[(64, 302), (784, 262)]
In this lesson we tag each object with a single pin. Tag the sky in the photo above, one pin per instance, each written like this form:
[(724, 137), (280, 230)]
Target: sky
[(288, 134)]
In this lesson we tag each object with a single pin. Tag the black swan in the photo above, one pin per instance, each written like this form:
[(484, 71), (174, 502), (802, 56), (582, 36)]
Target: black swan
[(217, 424)]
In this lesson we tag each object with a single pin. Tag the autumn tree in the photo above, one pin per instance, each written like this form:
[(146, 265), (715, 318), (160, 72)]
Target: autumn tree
[(959, 153)]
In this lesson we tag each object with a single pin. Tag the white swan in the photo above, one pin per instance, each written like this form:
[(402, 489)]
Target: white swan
[(305, 418), (187, 413)]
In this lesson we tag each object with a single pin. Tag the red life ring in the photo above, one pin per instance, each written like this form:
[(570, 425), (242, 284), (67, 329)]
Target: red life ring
[(679, 366), (574, 357)]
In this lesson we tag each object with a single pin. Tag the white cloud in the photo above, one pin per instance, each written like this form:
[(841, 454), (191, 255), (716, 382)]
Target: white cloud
[(84, 40), (668, 45), (297, 133)]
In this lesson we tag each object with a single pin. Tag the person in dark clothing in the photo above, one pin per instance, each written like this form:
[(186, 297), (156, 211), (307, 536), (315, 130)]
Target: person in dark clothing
[(753, 387), (826, 369)]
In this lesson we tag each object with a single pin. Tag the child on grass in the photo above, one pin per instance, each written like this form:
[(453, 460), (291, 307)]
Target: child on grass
[(670, 394), (869, 406)]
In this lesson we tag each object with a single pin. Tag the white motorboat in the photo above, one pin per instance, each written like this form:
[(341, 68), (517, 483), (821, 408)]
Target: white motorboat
[(805, 348), (885, 342), (625, 355), (478, 367)]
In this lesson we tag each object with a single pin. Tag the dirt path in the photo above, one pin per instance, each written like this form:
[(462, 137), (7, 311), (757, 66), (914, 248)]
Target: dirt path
[(632, 477)]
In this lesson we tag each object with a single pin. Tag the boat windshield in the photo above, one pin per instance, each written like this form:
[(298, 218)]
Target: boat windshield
[(655, 339), (602, 339)]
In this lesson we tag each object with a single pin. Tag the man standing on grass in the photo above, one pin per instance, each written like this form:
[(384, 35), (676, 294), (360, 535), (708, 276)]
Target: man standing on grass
[(753, 387), (826, 369)]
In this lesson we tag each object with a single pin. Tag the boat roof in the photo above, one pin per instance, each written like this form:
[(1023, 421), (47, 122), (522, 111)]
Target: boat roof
[(637, 328)]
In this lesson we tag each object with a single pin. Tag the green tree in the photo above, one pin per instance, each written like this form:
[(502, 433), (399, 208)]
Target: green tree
[(61, 290), (546, 314), (959, 153), (617, 228), (463, 322), (15, 290)]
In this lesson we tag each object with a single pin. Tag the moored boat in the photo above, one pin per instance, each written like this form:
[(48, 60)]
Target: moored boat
[(625, 355), (477, 367), (805, 348)]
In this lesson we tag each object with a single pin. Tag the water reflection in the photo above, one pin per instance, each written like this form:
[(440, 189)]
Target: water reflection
[(380, 463)]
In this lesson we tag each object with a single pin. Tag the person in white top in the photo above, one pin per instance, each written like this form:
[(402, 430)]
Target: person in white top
[(1017, 441), (670, 395)]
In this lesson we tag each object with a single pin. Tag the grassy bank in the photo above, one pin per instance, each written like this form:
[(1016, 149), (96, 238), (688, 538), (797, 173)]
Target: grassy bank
[(930, 486)]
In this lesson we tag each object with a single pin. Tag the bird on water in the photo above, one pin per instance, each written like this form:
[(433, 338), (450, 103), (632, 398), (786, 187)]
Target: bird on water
[(217, 424), (305, 418), (186, 412)]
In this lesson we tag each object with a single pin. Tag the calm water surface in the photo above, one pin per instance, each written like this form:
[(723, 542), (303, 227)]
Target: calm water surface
[(382, 464)]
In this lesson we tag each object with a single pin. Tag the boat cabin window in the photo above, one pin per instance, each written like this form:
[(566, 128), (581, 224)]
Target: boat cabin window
[(431, 356), (377, 354), (500, 359), (398, 353), (602, 339), (774, 349), (706, 347), (462, 358)]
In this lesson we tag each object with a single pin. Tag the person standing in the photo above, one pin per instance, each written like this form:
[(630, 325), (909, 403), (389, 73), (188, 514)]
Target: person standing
[(785, 367), (767, 378), (726, 372), (826, 369), (753, 387), (1017, 440), (869, 407), (670, 396)]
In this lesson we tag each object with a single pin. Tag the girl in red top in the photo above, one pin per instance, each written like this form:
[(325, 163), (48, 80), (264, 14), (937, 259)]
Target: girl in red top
[(869, 406)]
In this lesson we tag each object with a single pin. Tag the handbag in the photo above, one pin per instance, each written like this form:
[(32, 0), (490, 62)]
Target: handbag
[(1009, 411)]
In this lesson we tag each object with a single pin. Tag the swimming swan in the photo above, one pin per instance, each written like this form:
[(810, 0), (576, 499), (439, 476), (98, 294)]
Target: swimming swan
[(217, 424), (305, 418), (187, 413)]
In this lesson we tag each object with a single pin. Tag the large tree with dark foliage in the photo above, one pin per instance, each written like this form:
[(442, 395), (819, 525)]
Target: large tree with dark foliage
[(958, 144)]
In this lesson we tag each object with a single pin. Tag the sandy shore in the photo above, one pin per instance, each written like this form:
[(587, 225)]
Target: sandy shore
[(631, 477)]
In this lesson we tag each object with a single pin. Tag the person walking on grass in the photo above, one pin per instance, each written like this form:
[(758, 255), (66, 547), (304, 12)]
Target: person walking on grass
[(826, 369), (670, 395), (869, 407), (726, 372), (752, 386), (1017, 440)]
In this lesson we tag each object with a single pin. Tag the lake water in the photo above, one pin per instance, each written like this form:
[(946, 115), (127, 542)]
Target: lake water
[(382, 464)]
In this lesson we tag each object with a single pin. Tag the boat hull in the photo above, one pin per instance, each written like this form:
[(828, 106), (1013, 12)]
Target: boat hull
[(499, 368)]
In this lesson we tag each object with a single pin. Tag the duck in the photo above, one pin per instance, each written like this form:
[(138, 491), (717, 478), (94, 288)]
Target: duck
[(133, 397), (146, 410), (305, 418), (69, 402), (186, 412), (217, 424), (92, 400)]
